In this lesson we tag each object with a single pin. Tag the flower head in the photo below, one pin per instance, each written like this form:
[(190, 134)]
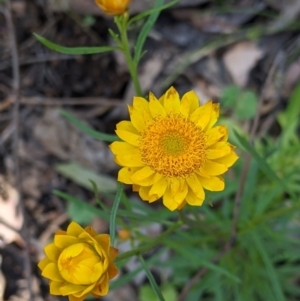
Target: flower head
[(171, 149), (113, 7), (79, 262)]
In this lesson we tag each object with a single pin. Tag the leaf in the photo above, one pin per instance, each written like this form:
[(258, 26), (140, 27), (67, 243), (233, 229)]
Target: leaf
[(168, 291), (145, 31), (73, 50), (270, 269), (193, 257), (81, 204), (263, 165), (88, 130), (247, 105), (151, 279), (113, 214), (77, 211), (230, 96), (83, 177), (151, 11)]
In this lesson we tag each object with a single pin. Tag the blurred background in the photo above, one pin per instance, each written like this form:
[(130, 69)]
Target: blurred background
[(244, 54)]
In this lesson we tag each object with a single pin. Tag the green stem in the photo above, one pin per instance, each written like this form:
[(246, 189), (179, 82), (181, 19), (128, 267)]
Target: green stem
[(121, 22), (145, 248)]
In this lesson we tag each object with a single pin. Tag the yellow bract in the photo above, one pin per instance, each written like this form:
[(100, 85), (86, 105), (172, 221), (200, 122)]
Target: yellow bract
[(79, 262), (171, 149), (113, 7)]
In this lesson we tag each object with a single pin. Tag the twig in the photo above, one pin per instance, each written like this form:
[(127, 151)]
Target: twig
[(237, 202), (16, 117)]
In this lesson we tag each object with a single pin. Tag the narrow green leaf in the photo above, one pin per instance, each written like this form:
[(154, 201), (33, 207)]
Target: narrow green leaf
[(263, 165), (113, 214), (88, 130), (200, 263), (151, 11), (83, 176), (246, 106), (128, 276), (81, 204), (145, 31), (96, 193), (73, 50), (293, 110), (151, 279), (271, 271)]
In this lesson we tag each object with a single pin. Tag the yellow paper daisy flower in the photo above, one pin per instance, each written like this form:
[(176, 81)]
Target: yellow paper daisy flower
[(79, 262), (171, 149)]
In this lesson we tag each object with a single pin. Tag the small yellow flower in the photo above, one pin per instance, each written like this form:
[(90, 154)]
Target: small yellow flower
[(113, 7), (171, 149), (124, 234), (79, 262)]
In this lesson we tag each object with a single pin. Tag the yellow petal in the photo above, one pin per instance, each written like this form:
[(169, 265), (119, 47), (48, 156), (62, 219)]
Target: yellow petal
[(158, 189), (156, 109), (149, 181), (112, 271), (152, 97), (174, 185), (129, 160), (218, 153), (70, 288), (141, 104), (182, 205), (120, 148), (214, 116), (51, 272), (90, 230), (104, 241), (73, 298), (129, 137), (43, 263), (101, 289), (127, 126), (201, 115), (52, 252), (216, 134), (64, 241), (142, 174), (193, 200), (139, 119), (228, 160), (195, 185), (189, 103), (113, 253), (74, 229), (213, 168), (88, 290), (213, 183), (169, 201), (171, 101), (180, 194), (144, 193), (55, 288), (135, 187), (125, 174)]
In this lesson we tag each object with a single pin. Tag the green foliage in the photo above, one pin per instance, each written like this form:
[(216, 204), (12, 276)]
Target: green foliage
[(168, 291), (263, 264), (73, 50), (83, 177), (242, 103), (155, 289), (86, 129)]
